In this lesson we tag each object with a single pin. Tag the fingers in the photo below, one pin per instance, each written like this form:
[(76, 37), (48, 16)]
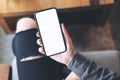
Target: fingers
[(39, 42), (41, 50), (37, 34)]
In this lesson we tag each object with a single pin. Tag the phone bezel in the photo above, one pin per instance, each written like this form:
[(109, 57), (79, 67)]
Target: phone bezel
[(41, 35)]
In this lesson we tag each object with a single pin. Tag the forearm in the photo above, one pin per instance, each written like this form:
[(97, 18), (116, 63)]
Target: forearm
[(88, 70)]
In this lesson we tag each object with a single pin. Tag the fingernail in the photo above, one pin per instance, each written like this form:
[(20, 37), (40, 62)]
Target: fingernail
[(40, 43), (62, 24), (41, 50)]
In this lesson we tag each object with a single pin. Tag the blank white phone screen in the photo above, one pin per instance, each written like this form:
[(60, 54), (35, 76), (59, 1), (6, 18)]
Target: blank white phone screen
[(50, 31)]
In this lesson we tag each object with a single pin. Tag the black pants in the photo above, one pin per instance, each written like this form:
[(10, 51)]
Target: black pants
[(24, 45)]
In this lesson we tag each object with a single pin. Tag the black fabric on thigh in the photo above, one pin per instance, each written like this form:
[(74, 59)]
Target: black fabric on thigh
[(24, 45)]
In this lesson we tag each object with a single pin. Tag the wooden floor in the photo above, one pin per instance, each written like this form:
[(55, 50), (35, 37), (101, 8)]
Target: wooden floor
[(92, 38), (99, 38)]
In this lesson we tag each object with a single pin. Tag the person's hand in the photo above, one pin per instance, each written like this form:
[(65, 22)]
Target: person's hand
[(65, 57)]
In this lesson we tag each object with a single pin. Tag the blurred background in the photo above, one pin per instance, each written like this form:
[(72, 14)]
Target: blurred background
[(94, 25)]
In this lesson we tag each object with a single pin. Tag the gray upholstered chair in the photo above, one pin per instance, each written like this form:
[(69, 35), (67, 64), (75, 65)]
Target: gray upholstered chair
[(108, 58)]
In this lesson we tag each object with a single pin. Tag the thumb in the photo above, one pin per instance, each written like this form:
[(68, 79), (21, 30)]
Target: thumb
[(65, 33)]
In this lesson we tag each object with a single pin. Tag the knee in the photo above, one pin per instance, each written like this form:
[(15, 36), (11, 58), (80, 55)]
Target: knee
[(25, 24)]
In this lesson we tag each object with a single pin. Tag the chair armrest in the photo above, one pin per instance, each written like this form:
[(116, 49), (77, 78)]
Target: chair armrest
[(4, 25), (106, 58), (4, 71)]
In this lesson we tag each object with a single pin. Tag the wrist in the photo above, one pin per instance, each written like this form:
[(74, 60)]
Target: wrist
[(70, 58)]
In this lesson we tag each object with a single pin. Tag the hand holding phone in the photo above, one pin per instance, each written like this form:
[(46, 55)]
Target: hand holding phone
[(66, 56)]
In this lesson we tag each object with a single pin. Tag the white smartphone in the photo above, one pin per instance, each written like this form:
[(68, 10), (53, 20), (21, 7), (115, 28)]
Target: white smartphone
[(50, 31)]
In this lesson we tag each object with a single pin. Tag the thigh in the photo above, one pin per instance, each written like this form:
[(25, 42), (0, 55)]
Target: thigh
[(24, 45)]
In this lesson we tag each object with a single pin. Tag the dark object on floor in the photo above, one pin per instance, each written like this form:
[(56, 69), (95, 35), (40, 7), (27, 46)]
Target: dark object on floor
[(114, 20)]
